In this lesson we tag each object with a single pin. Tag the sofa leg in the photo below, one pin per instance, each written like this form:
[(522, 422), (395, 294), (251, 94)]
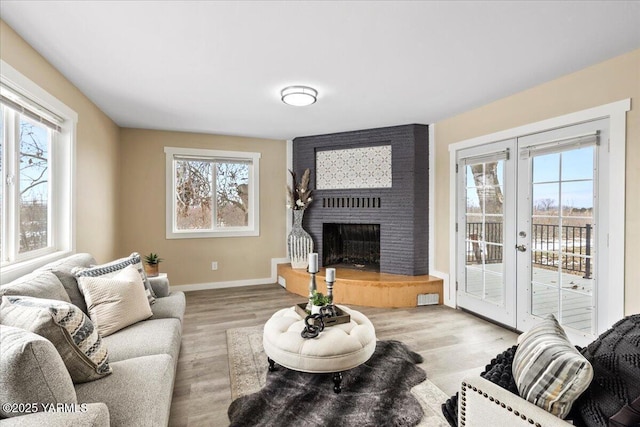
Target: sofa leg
[(272, 364), (337, 379)]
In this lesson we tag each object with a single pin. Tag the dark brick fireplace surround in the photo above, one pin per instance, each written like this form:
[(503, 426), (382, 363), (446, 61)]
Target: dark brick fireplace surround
[(401, 211)]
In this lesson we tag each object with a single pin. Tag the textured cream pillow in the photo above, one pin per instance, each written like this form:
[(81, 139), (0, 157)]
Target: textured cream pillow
[(117, 302)]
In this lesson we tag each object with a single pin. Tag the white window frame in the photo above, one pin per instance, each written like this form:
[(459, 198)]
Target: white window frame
[(253, 227), (62, 215)]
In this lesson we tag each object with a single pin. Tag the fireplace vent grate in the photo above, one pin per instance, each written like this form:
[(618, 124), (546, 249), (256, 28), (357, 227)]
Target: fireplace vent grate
[(428, 299), (351, 202)]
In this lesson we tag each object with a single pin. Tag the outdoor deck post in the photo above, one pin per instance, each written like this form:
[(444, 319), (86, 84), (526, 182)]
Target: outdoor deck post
[(587, 267)]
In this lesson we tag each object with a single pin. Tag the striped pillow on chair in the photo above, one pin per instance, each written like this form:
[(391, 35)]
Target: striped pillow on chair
[(548, 370)]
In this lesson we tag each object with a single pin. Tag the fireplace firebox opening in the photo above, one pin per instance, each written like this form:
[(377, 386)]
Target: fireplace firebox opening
[(354, 246)]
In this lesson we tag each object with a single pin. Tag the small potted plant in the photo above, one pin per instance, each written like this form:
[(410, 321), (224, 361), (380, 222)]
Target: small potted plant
[(151, 262), (318, 301)]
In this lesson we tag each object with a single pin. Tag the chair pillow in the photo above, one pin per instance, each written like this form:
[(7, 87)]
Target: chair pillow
[(67, 327), (117, 302), (114, 267), (628, 416), (549, 372), (615, 357), (31, 372)]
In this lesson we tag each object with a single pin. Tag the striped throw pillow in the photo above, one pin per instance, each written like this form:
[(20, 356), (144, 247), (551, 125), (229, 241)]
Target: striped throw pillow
[(548, 370), (70, 331), (112, 268)]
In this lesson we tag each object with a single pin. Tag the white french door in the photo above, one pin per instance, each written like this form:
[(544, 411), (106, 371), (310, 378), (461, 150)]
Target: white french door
[(486, 227), (531, 238), (561, 240)]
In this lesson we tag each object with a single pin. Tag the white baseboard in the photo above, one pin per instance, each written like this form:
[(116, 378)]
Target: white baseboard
[(274, 268), (449, 295), (235, 283), (221, 285)]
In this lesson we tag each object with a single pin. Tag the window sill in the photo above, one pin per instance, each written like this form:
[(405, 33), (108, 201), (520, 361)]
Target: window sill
[(18, 269), (212, 234)]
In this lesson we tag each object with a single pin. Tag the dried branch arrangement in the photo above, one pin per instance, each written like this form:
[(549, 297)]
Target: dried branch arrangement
[(299, 197)]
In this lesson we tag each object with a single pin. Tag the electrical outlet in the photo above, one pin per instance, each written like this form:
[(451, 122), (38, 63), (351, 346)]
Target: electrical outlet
[(214, 265)]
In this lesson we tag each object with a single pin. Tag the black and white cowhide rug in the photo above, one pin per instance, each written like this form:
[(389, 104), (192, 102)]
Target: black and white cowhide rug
[(376, 393)]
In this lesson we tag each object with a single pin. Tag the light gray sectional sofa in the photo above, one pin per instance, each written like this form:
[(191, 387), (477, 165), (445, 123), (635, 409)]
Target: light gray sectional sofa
[(143, 358)]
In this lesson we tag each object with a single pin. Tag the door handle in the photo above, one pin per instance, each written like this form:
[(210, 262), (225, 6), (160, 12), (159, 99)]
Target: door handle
[(521, 248)]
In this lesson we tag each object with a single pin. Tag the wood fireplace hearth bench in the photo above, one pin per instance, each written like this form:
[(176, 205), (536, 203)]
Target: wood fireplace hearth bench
[(365, 288)]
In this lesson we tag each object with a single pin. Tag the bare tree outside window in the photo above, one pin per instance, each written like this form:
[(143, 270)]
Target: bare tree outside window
[(488, 233), (193, 194), (195, 184), (34, 186), (232, 194)]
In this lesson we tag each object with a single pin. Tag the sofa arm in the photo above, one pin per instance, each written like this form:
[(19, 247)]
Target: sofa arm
[(160, 285), (483, 403), (89, 415)]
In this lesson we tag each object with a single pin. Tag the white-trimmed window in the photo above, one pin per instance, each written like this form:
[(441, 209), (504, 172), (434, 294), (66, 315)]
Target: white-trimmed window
[(212, 193), (36, 205)]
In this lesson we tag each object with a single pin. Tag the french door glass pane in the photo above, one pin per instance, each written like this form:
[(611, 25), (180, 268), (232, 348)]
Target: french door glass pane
[(484, 238), (562, 237), (34, 186)]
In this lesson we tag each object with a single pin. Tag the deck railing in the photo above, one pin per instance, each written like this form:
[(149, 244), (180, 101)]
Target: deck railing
[(546, 242)]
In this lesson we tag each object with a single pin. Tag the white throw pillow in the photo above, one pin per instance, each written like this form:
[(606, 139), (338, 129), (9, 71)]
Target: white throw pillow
[(112, 268), (116, 302)]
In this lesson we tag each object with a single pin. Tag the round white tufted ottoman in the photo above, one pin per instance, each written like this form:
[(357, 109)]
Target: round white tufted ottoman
[(338, 348)]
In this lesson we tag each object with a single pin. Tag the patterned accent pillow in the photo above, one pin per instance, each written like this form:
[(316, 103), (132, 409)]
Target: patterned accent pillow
[(117, 302), (548, 370), (114, 267), (67, 327)]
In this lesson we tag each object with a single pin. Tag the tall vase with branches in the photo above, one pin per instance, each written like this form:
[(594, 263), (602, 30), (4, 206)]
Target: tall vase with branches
[(299, 242)]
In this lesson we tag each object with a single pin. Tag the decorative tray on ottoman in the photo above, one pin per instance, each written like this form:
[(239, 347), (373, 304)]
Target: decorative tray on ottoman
[(342, 317)]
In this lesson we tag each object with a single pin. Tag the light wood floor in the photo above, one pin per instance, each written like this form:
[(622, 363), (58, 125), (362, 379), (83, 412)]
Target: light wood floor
[(453, 343)]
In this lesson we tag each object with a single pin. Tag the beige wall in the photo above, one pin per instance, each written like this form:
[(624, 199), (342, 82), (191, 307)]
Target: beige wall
[(612, 80), (188, 261), (96, 148)]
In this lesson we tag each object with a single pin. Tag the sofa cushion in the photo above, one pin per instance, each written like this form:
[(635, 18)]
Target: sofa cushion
[(615, 357), (68, 329), (39, 284), (161, 336), (70, 284), (548, 370), (117, 302), (112, 268), (63, 268), (170, 307), (67, 264), (31, 370), (138, 393), (160, 285)]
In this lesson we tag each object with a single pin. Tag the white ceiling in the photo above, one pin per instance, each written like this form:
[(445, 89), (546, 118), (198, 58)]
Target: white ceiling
[(218, 67)]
